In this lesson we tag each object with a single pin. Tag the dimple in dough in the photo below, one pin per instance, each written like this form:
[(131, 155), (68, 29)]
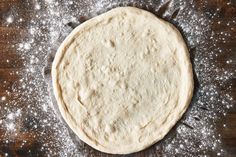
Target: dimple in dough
[(122, 80)]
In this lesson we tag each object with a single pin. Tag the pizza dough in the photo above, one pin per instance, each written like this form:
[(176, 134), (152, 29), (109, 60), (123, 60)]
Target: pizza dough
[(122, 80)]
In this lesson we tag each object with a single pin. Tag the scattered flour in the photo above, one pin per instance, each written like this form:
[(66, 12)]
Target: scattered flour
[(52, 20)]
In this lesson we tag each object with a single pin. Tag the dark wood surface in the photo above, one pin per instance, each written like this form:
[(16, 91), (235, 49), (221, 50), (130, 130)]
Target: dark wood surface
[(11, 62)]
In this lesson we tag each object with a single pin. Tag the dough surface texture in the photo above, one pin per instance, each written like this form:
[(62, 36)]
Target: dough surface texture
[(122, 80)]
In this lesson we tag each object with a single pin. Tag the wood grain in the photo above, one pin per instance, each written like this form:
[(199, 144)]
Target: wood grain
[(10, 62)]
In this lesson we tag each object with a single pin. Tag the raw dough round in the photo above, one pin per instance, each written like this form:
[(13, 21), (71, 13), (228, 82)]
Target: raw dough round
[(122, 80)]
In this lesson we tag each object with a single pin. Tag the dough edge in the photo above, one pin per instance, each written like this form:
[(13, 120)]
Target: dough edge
[(178, 112)]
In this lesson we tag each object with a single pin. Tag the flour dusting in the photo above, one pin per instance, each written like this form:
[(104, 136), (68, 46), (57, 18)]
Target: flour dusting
[(51, 21)]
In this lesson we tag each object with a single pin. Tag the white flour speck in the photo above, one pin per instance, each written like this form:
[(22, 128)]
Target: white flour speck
[(3, 98), (10, 116), (10, 126), (37, 6), (9, 19)]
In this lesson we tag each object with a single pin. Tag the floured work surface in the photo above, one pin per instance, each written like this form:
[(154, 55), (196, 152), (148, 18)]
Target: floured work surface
[(32, 30)]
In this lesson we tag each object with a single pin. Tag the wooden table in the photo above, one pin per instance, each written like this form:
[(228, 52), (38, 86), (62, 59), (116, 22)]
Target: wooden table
[(10, 62)]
